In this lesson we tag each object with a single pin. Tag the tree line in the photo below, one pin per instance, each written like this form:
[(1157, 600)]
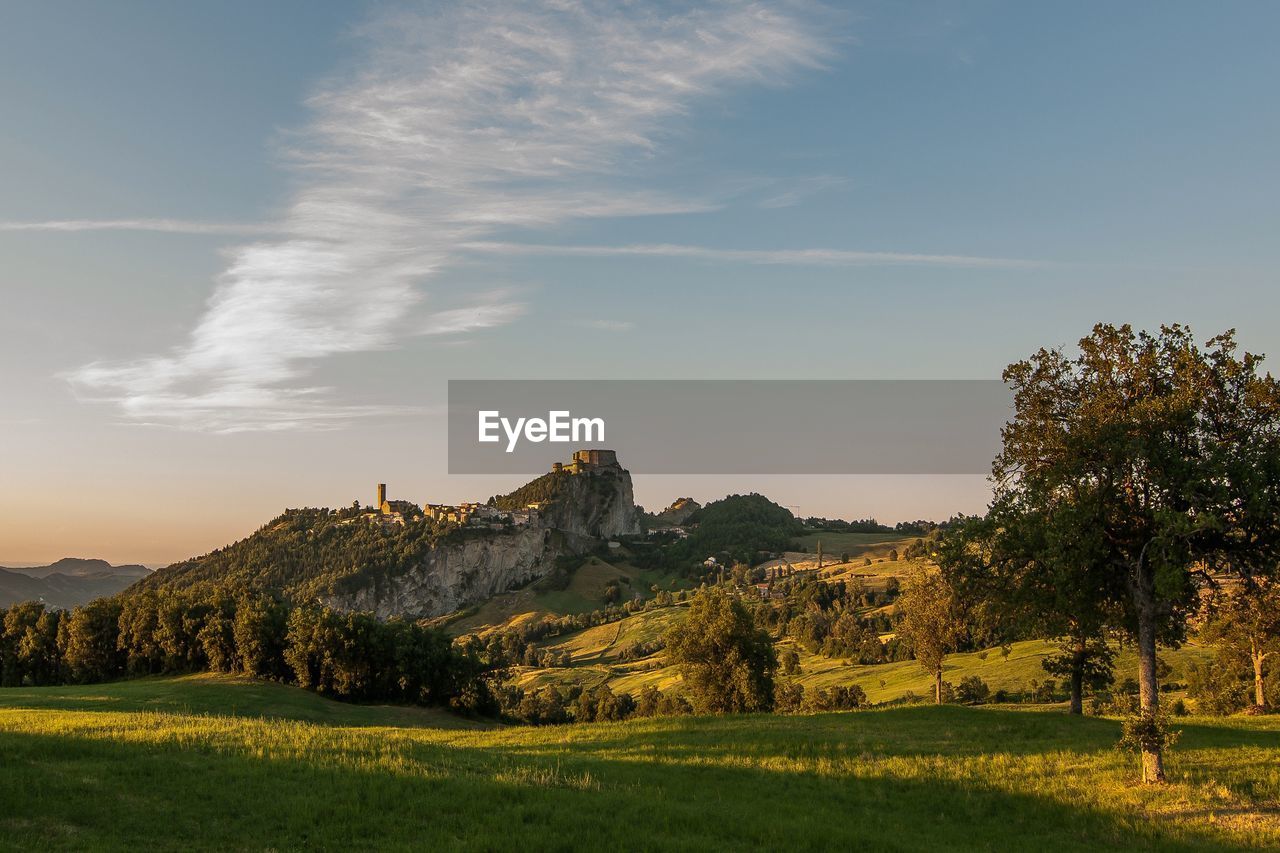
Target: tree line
[(349, 656)]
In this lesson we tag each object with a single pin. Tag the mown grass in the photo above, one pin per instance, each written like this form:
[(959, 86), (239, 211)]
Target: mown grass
[(946, 778)]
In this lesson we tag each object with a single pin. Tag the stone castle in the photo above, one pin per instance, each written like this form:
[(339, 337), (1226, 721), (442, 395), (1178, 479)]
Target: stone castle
[(587, 460)]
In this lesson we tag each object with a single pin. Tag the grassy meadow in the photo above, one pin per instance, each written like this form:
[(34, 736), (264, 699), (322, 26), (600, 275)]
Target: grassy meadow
[(214, 763)]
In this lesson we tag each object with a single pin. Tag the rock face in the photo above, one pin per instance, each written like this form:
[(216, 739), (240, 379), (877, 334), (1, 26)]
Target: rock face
[(461, 574), (587, 508), (598, 504), (679, 511)]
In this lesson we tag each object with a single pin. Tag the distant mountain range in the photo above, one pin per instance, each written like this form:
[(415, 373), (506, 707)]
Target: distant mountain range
[(68, 582)]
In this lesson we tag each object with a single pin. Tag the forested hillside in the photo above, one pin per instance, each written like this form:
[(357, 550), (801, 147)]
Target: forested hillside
[(306, 553)]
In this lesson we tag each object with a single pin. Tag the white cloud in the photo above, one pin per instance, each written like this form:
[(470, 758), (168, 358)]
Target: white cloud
[(453, 126), (165, 226), (797, 257), (481, 316)]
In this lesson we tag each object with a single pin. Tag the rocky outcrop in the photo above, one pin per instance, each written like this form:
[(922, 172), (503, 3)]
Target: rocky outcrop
[(459, 574), (678, 513), (598, 504), (581, 512)]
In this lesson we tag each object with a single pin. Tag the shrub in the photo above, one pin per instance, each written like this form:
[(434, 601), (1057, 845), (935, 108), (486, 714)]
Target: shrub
[(1147, 733), (972, 690)]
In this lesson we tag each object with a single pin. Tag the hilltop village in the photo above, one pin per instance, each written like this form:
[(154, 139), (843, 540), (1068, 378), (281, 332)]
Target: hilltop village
[(488, 515)]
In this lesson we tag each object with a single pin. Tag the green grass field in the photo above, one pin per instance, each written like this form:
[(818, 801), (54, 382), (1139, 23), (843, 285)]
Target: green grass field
[(854, 544), (214, 763)]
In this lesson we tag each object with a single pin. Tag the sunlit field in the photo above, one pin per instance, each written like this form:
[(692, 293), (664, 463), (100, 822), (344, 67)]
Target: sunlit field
[(215, 763)]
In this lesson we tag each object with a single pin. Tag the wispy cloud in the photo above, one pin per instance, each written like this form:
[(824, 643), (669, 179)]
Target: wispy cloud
[(608, 325), (494, 309), (798, 257), (454, 125), (166, 226)]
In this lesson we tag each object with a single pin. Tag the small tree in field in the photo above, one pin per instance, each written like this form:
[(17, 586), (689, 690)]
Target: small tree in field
[(1035, 562), (931, 622), (726, 661), (1246, 624)]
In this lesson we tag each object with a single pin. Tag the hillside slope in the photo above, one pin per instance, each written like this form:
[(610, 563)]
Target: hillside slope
[(412, 565)]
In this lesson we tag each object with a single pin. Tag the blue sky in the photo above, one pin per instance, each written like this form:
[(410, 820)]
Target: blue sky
[(246, 244)]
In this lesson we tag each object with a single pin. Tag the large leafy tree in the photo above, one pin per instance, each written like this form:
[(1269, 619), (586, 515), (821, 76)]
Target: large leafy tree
[(1167, 457), (727, 663)]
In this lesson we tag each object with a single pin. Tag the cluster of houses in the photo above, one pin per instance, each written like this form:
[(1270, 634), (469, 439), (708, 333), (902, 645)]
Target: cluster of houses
[(463, 514)]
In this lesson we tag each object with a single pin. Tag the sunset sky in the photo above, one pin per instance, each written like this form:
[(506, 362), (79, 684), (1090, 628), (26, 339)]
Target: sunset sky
[(243, 246)]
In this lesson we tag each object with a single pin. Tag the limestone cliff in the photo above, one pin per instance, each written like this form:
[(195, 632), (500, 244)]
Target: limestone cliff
[(456, 575), (576, 513), (599, 504)]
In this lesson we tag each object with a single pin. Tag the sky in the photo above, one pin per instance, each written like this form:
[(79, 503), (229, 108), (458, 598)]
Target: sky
[(243, 246)]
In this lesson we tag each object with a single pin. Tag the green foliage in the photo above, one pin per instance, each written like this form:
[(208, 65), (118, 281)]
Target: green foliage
[(1244, 626), (740, 526), (548, 487), (841, 697), (355, 656), (29, 647), (1218, 689), (350, 656), (92, 652), (306, 553), (972, 690), (1125, 467), (1147, 733), (931, 622), (726, 661)]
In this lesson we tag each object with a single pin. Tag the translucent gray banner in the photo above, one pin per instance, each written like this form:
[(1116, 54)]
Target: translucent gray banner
[(729, 426)]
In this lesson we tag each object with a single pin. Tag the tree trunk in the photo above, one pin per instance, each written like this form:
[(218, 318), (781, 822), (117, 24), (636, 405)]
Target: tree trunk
[(1148, 689), (1077, 678), (937, 686), (1260, 698)]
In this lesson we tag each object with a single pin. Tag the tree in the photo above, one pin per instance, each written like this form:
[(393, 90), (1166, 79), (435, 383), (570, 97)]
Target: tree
[(1246, 625), (259, 628), (29, 645), (1034, 565), (790, 662), (1085, 663), (726, 661), (92, 646), (1171, 454), (930, 622)]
